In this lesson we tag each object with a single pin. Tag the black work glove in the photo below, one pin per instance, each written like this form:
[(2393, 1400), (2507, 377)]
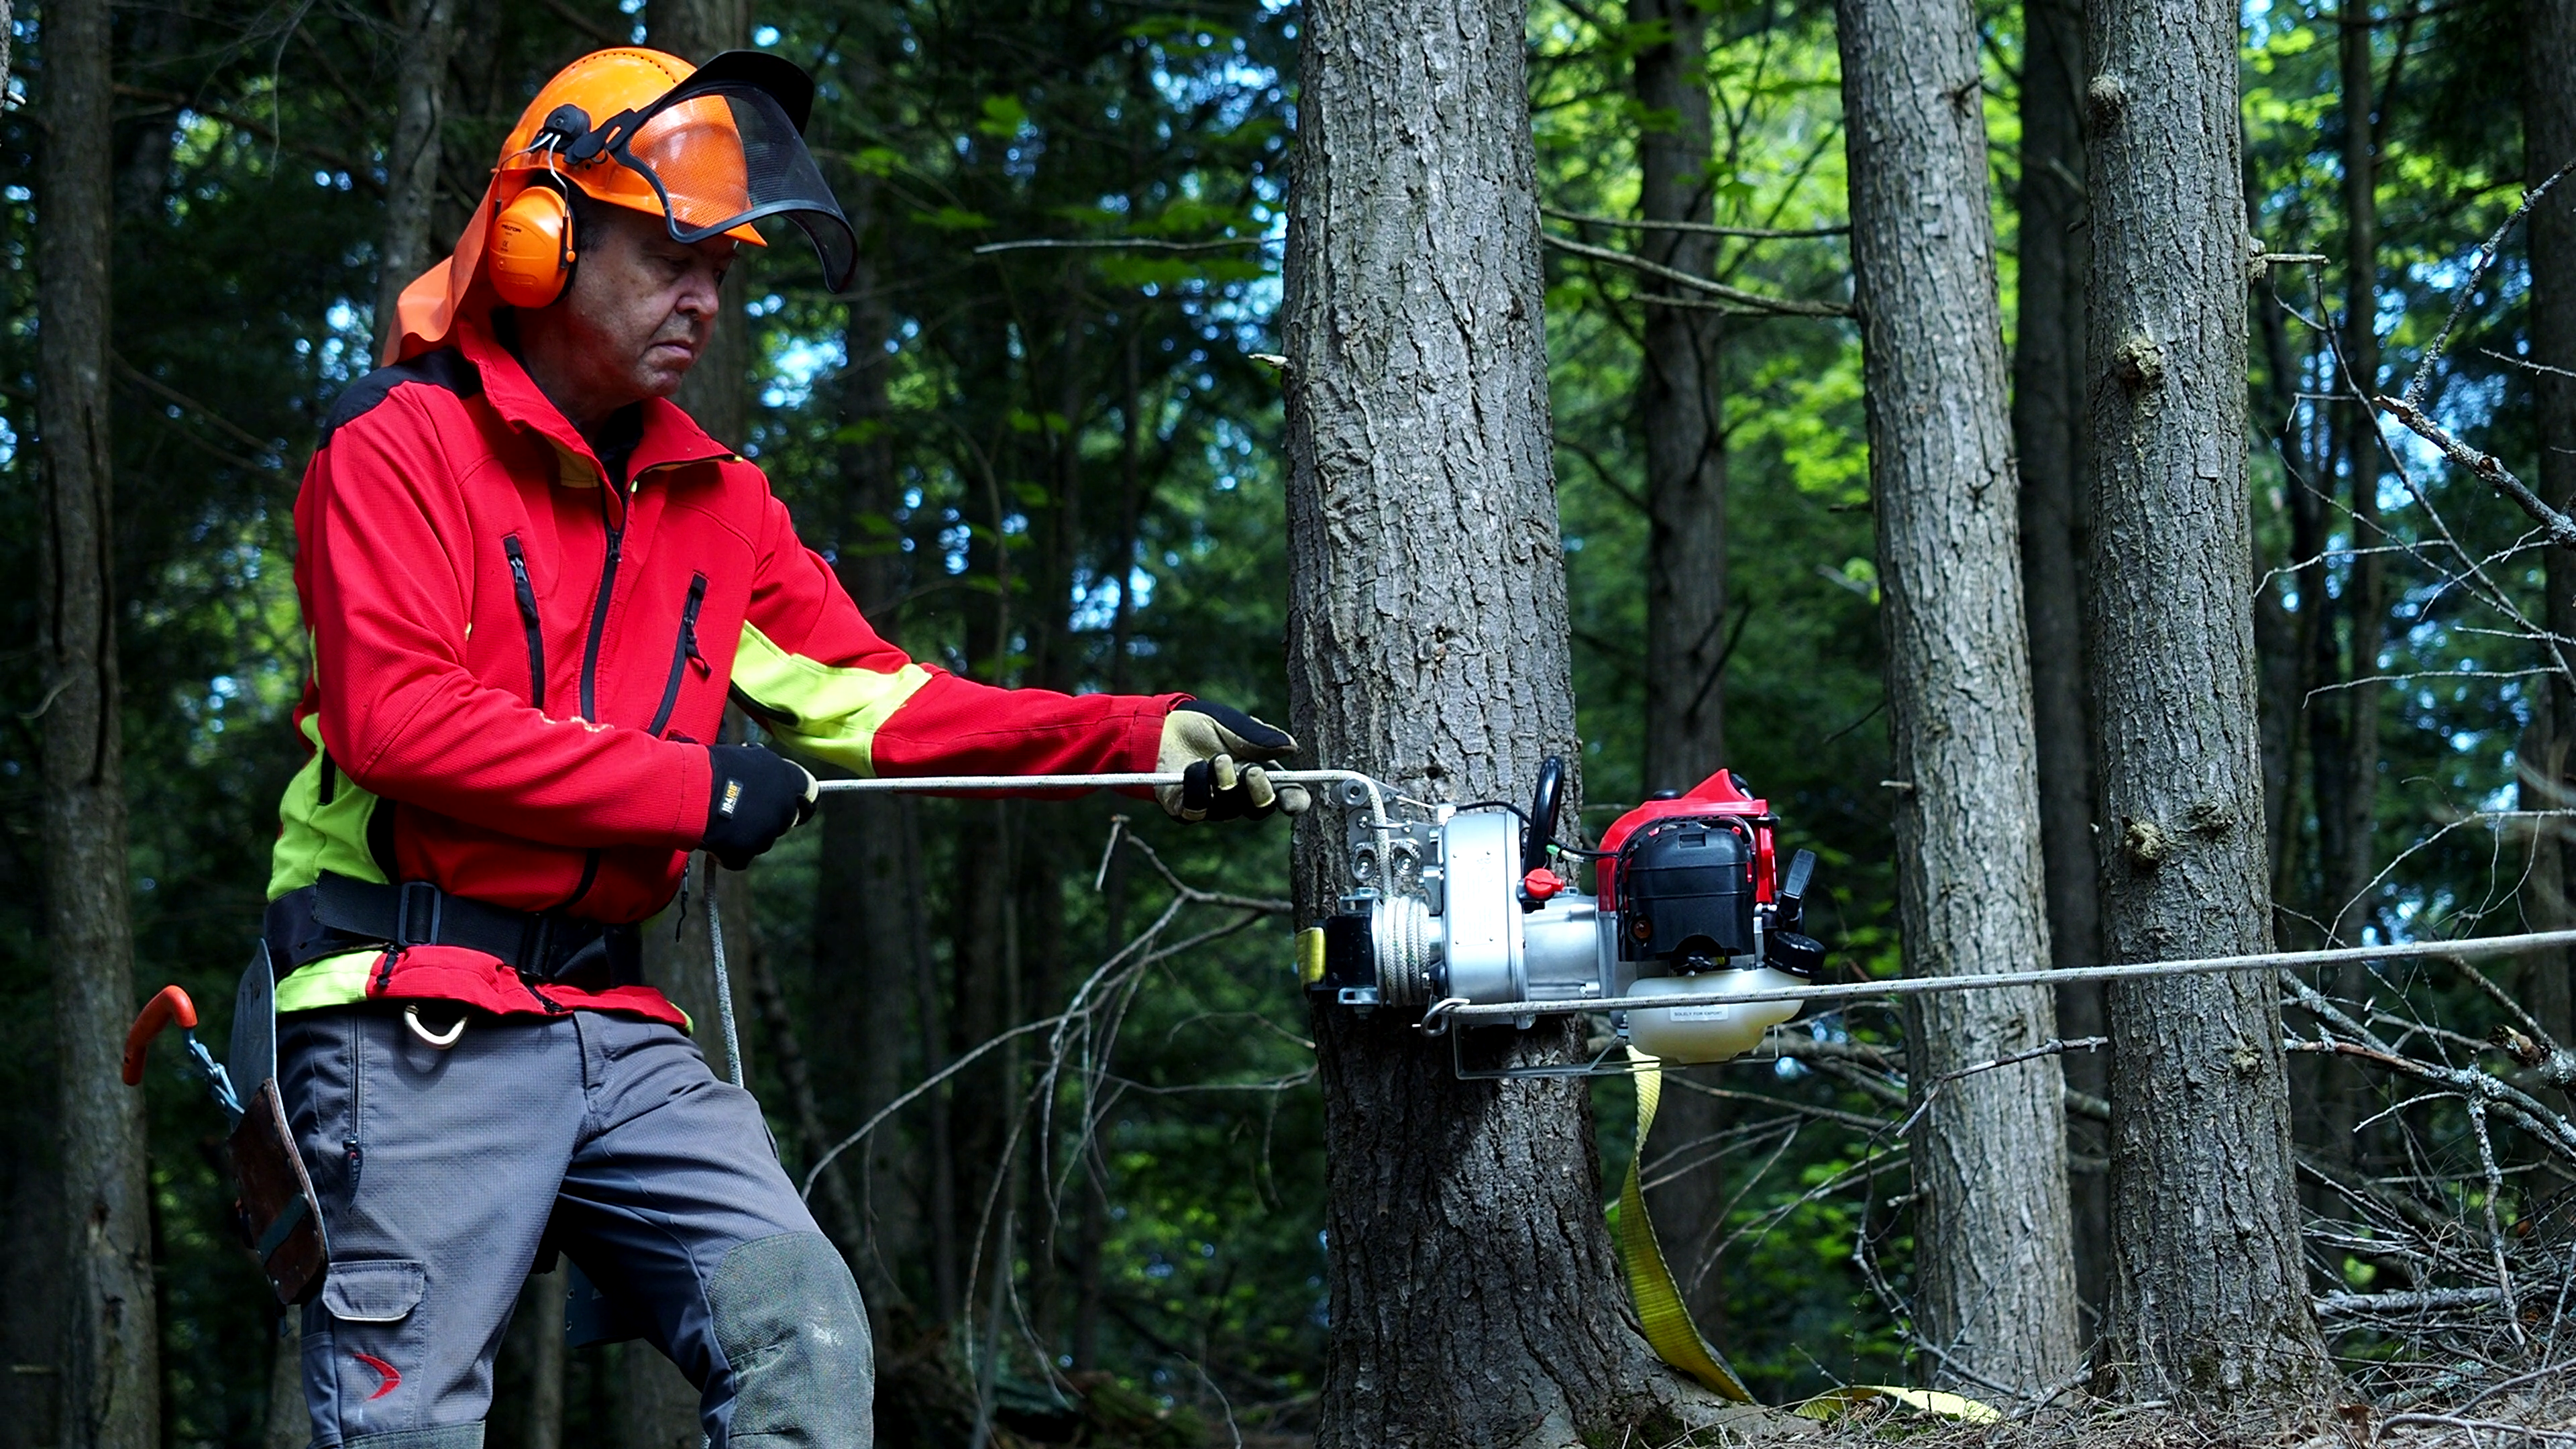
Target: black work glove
[(1214, 750), (753, 797)]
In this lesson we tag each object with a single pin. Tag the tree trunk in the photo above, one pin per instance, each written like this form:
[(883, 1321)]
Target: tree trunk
[(1679, 412), (541, 1421), (2348, 873), (2210, 1300), (651, 1405), (717, 392), (411, 160), (2278, 653), (111, 1370), (288, 1423), (2548, 37), (1471, 1269), (865, 922), (679, 951), (1994, 1259), (31, 1284), (2048, 439), (655, 1406)]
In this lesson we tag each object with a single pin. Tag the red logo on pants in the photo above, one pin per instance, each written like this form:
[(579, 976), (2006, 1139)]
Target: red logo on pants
[(392, 1376)]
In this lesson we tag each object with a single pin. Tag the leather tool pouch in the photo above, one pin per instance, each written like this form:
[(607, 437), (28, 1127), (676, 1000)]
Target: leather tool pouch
[(281, 1221), (279, 1217)]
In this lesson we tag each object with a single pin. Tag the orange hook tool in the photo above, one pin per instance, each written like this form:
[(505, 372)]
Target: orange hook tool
[(172, 1005)]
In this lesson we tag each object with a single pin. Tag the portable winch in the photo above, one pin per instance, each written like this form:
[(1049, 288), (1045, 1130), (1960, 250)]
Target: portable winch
[(1469, 908), (1473, 907)]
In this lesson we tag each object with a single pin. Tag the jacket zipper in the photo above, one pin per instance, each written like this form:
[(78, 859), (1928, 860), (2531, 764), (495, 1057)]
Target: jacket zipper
[(682, 652), (599, 611), (528, 616), (590, 668)]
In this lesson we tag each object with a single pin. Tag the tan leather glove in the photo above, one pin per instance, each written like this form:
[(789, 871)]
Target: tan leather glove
[(1217, 752)]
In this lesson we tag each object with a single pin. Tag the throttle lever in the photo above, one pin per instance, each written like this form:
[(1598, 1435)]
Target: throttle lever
[(1793, 881), (1546, 803), (1790, 914)]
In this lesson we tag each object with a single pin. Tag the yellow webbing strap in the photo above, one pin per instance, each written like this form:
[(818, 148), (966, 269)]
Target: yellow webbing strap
[(1667, 1320), (1834, 1402)]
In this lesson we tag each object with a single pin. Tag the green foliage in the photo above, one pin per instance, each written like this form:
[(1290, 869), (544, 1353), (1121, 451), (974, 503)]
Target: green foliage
[(1037, 400)]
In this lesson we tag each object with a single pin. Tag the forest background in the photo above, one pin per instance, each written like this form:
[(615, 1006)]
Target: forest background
[(1058, 464)]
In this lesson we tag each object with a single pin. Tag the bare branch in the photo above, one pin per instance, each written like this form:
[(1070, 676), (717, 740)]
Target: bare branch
[(1749, 301), (2560, 528), (1118, 244), (1699, 228), (2460, 301)]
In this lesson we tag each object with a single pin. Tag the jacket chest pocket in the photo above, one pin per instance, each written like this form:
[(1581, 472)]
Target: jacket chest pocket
[(525, 593), (684, 653)]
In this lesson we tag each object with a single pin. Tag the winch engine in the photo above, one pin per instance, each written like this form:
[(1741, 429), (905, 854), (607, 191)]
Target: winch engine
[(1473, 906)]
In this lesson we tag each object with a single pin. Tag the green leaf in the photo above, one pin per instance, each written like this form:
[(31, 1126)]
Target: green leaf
[(953, 218), (1003, 117)]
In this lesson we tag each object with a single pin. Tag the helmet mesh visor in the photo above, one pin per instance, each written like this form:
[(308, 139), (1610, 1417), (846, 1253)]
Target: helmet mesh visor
[(728, 155)]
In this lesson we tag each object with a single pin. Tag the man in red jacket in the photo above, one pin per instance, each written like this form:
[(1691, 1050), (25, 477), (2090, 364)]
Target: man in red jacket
[(531, 584)]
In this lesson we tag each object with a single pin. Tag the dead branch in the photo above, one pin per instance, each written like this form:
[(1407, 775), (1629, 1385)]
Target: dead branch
[(2460, 300), (2560, 528)]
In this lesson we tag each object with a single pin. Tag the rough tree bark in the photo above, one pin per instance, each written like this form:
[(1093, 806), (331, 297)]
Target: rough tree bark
[(111, 1380), (1680, 415), (2048, 439), (1994, 1260), (1471, 1271), (411, 159), (2210, 1297), (2548, 37)]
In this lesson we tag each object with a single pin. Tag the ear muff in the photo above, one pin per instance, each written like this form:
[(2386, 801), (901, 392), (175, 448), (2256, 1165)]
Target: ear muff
[(531, 250)]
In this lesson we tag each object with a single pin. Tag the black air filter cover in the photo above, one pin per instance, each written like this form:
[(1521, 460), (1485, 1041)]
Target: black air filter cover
[(1686, 890)]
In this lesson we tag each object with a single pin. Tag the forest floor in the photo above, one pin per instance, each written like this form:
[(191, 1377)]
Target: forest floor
[(2541, 1413)]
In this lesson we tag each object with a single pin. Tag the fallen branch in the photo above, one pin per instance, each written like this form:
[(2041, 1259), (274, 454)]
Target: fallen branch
[(2429, 1300)]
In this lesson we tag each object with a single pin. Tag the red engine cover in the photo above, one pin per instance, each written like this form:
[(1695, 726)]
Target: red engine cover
[(1716, 795)]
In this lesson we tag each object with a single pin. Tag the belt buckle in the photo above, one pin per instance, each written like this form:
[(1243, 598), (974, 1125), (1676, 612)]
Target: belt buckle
[(415, 895)]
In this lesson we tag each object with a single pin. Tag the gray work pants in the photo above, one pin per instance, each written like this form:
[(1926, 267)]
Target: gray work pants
[(439, 1171)]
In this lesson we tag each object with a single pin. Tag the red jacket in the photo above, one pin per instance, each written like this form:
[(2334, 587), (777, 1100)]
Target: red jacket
[(516, 664)]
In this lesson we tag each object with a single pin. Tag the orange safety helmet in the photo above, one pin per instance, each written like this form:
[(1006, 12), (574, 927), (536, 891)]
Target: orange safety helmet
[(709, 150)]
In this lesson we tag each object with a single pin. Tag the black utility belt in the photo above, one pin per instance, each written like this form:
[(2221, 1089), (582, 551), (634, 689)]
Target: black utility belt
[(337, 914)]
